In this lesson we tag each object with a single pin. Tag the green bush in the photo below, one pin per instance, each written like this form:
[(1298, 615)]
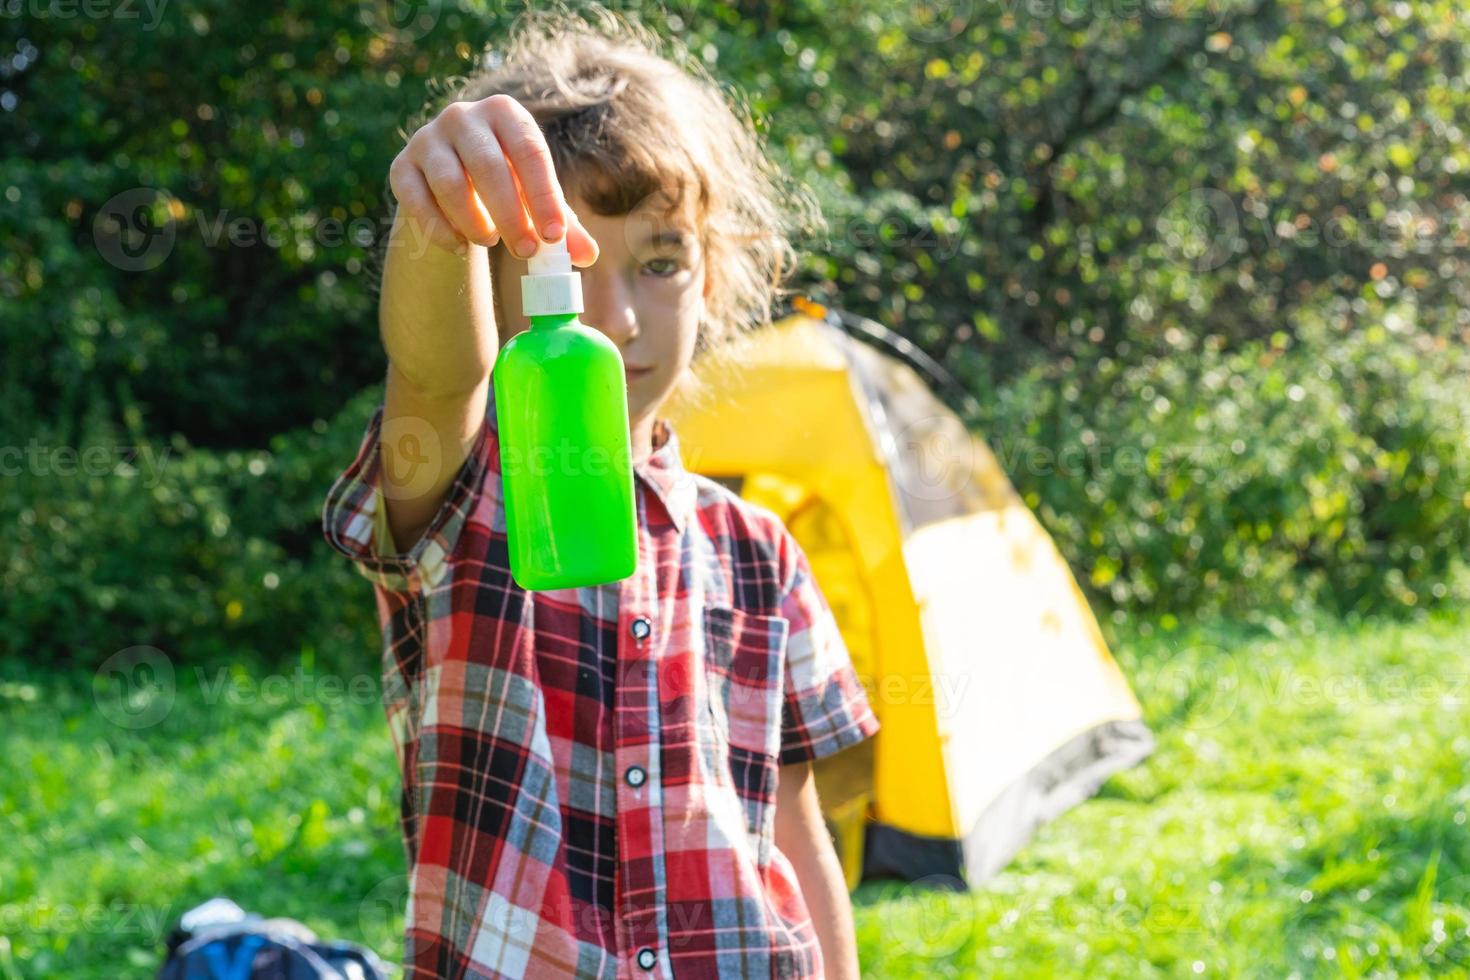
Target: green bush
[(1325, 467), (205, 554), (1080, 209)]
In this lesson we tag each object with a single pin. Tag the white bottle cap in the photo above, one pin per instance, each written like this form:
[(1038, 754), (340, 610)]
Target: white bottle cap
[(551, 285)]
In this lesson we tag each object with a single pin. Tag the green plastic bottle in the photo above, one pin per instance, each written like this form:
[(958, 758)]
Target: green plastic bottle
[(561, 405)]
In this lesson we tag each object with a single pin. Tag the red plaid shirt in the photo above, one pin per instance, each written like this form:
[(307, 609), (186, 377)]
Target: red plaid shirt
[(589, 775)]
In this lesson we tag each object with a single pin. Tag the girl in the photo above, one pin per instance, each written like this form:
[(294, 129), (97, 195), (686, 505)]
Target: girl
[(609, 781)]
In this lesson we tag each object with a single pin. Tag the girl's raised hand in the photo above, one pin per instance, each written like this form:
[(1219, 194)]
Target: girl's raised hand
[(481, 171)]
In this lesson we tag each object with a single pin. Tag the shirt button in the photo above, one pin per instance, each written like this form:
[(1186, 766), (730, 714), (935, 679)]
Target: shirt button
[(640, 628), (646, 958), (635, 775)]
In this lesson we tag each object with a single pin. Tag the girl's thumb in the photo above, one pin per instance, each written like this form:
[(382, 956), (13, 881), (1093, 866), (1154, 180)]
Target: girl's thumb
[(580, 244)]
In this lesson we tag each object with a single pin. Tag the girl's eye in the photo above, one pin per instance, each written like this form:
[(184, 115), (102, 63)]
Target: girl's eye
[(663, 268)]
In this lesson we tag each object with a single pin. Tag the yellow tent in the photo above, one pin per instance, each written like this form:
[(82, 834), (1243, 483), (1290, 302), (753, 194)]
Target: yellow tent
[(1000, 704)]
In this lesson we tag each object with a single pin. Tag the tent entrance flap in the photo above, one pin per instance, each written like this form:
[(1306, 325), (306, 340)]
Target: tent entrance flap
[(1063, 779)]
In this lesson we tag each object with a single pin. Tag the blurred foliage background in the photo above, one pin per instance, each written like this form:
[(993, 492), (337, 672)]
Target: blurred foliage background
[(1203, 266)]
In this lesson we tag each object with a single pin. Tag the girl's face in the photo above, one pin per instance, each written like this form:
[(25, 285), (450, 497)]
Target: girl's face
[(646, 292)]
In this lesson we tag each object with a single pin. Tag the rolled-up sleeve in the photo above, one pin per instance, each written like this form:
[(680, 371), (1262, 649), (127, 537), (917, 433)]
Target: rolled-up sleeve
[(825, 708), (354, 519)]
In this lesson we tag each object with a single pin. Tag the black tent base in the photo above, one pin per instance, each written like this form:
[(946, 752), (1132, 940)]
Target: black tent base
[(1066, 777)]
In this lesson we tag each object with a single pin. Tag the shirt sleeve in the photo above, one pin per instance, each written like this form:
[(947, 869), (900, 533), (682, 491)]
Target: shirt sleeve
[(354, 520), (825, 708)]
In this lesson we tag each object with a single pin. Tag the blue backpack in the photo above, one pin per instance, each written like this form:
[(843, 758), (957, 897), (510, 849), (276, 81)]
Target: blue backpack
[(219, 941)]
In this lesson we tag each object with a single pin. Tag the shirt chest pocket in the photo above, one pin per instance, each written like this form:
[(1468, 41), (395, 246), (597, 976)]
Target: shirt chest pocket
[(745, 656)]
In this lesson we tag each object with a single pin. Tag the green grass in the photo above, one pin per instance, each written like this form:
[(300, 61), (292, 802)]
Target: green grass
[(282, 795), (1304, 815)]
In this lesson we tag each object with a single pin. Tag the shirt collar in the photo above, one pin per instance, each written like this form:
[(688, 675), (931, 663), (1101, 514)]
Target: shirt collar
[(662, 471)]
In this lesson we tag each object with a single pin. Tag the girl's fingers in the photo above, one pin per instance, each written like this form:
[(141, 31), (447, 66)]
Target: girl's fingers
[(417, 207), (486, 172), (446, 177), (525, 147), (494, 183)]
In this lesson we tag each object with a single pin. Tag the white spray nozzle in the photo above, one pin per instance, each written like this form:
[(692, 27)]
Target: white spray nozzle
[(551, 286), (551, 258)]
